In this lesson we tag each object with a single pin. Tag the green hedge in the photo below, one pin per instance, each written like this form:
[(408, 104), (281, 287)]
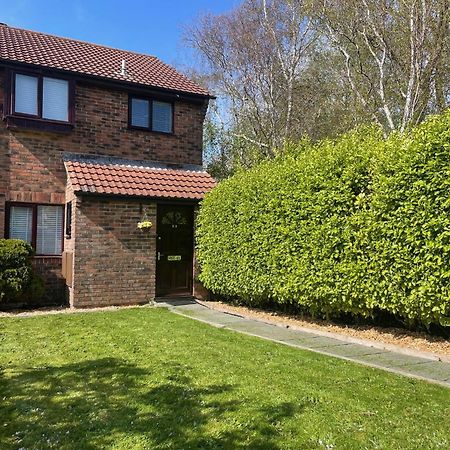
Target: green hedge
[(358, 225), (17, 277)]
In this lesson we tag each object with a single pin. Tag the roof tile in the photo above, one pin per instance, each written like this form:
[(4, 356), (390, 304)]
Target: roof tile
[(138, 180), (31, 47)]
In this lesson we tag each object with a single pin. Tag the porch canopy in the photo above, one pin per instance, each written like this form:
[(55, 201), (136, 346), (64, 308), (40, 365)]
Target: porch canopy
[(90, 174)]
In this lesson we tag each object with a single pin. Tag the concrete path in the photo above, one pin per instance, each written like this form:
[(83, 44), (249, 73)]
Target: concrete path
[(412, 364)]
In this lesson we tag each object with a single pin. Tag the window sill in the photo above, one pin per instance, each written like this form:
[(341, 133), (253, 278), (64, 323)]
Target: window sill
[(16, 122)]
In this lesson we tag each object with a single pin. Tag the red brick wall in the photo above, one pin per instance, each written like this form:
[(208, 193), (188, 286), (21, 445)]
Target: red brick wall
[(31, 167), (49, 267), (31, 161), (114, 262), (69, 241)]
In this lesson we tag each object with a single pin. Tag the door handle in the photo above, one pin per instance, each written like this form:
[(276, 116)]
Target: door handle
[(159, 256)]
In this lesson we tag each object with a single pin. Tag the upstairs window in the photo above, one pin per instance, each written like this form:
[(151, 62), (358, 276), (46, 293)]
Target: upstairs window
[(140, 113), (162, 117), (41, 97), (39, 225), (151, 115), (55, 99), (26, 100)]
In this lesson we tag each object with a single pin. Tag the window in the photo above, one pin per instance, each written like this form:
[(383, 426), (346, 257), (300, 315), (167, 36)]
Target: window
[(21, 223), (49, 230), (26, 89), (162, 117), (39, 225), (41, 97), (140, 113), (68, 220), (151, 115), (55, 99)]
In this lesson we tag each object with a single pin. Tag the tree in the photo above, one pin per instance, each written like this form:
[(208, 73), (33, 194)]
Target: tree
[(287, 69), (254, 57), (394, 55)]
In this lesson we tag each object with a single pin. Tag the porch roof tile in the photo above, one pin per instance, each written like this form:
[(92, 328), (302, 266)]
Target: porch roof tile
[(136, 178)]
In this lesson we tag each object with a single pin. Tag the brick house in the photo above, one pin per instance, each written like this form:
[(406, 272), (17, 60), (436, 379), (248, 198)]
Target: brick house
[(93, 141)]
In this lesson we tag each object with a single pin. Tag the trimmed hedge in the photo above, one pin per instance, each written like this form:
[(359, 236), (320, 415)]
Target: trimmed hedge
[(358, 225), (17, 277)]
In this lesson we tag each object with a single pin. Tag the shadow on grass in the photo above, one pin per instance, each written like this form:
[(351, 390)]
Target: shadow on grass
[(99, 403)]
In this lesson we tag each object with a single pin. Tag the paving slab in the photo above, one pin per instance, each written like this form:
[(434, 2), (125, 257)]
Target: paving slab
[(418, 366), (391, 359), (209, 315), (263, 330), (356, 350), (437, 370), (317, 342)]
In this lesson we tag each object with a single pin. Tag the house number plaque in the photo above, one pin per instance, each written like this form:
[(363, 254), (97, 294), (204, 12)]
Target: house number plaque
[(174, 258)]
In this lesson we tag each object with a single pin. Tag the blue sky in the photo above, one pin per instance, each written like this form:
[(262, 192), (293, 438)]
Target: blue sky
[(151, 26)]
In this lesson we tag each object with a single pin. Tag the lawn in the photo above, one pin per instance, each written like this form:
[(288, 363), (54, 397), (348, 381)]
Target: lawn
[(148, 379)]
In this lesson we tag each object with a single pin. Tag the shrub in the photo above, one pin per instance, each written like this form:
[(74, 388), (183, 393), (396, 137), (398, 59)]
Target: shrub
[(410, 233), (17, 277), (356, 225)]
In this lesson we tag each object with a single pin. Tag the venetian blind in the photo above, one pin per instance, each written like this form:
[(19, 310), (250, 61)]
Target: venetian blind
[(140, 113), (49, 230), (162, 117), (21, 223), (26, 92), (55, 100)]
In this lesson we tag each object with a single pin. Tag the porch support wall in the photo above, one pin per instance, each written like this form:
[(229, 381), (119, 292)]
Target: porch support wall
[(114, 263)]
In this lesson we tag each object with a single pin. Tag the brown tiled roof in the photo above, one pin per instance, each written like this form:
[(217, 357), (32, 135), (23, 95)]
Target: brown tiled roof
[(30, 47), (130, 178)]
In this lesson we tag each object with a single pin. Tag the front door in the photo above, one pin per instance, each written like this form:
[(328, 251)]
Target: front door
[(175, 246)]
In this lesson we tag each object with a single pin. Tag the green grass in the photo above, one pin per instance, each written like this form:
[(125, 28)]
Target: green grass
[(148, 379)]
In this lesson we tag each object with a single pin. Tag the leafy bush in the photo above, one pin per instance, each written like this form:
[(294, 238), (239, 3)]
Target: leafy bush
[(17, 277), (410, 233), (358, 225)]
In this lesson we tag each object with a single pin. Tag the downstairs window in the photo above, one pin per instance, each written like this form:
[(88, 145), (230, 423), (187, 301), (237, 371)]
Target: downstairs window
[(41, 226)]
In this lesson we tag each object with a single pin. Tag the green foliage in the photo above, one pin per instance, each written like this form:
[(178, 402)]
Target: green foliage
[(17, 277), (357, 225), (410, 235)]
